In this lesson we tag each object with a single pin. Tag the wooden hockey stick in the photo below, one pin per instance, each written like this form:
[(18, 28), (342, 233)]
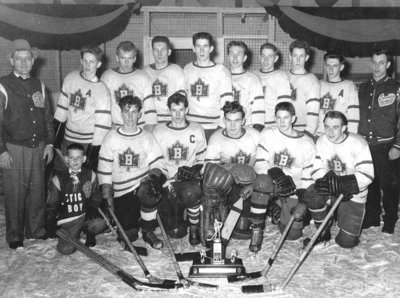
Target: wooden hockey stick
[(185, 281), (231, 220)]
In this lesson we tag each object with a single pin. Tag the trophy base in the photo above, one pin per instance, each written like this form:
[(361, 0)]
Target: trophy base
[(208, 269)]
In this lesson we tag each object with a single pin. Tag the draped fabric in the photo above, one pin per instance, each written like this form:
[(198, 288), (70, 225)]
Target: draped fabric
[(64, 27), (353, 30)]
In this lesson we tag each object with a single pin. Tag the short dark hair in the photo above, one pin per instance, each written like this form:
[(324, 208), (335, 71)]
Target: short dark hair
[(285, 106), (379, 51), (202, 35), (334, 55), (237, 43), (76, 146), (160, 38), (233, 107), (270, 46), (300, 44), (177, 98), (336, 115), (130, 100), (126, 46), (94, 50)]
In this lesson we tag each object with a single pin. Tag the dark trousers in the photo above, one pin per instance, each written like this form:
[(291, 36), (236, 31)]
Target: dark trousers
[(24, 192), (127, 211), (387, 180)]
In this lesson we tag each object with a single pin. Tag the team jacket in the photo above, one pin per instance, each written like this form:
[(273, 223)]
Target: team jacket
[(352, 156), (294, 155), (25, 114), (380, 111), (181, 146), (71, 195), (125, 159), (305, 95), (276, 88), (165, 82), (136, 83), (85, 106), (207, 89), (226, 150), (247, 90), (339, 96)]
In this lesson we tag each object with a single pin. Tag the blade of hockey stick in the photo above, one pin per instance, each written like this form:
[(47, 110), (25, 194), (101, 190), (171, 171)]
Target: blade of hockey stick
[(114, 269), (185, 281), (231, 220), (264, 271)]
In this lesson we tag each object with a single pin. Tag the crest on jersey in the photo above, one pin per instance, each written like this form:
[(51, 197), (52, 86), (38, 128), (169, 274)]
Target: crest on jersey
[(327, 102), (236, 94), (177, 152), (77, 100), (283, 159), (122, 91), (293, 93), (386, 100), (199, 89), (336, 165), (159, 89), (38, 99), (128, 159), (241, 158)]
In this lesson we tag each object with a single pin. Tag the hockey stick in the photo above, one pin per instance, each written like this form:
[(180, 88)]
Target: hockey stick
[(114, 269), (231, 220), (262, 288), (142, 251), (146, 272), (264, 271), (185, 281)]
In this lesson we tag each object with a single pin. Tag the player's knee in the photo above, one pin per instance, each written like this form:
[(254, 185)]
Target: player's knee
[(66, 249), (190, 193), (313, 200), (293, 234), (262, 189), (346, 240)]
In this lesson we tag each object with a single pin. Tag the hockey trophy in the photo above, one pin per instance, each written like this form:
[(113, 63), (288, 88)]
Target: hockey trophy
[(215, 264)]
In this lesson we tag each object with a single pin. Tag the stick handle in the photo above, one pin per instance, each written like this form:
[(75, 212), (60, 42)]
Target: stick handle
[(278, 247), (310, 245)]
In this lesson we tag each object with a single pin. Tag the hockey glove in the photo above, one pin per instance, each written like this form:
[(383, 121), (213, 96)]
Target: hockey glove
[(284, 183), (298, 211), (186, 173), (300, 193)]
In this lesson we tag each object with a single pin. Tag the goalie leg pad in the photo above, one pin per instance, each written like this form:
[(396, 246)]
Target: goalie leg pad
[(217, 180), (295, 231), (263, 187), (350, 216), (346, 240)]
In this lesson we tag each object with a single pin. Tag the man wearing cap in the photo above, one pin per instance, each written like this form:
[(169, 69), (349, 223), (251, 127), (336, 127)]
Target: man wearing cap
[(26, 138)]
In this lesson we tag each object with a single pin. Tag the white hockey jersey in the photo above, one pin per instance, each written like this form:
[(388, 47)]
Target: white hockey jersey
[(294, 155), (352, 156), (207, 89), (181, 146), (305, 94), (339, 96), (276, 88), (136, 83), (125, 159), (86, 108), (226, 150), (247, 90), (165, 82)]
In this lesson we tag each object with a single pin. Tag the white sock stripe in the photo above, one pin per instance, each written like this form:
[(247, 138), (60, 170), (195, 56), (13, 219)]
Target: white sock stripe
[(148, 216), (257, 210)]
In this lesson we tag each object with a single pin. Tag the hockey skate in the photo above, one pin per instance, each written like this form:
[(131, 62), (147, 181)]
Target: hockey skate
[(152, 239), (194, 235), (256, 239)]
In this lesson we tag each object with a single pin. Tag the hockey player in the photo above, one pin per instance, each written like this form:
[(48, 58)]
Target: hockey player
[(287, 156), (275, 81), (127, 80), (233, 145), (247, 88), (207, 84), (84, 104), (183, 144), (129, 156), (338, 94), (72, 202), (305, 89), (167, 78), (343, 165), (380, 124)]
